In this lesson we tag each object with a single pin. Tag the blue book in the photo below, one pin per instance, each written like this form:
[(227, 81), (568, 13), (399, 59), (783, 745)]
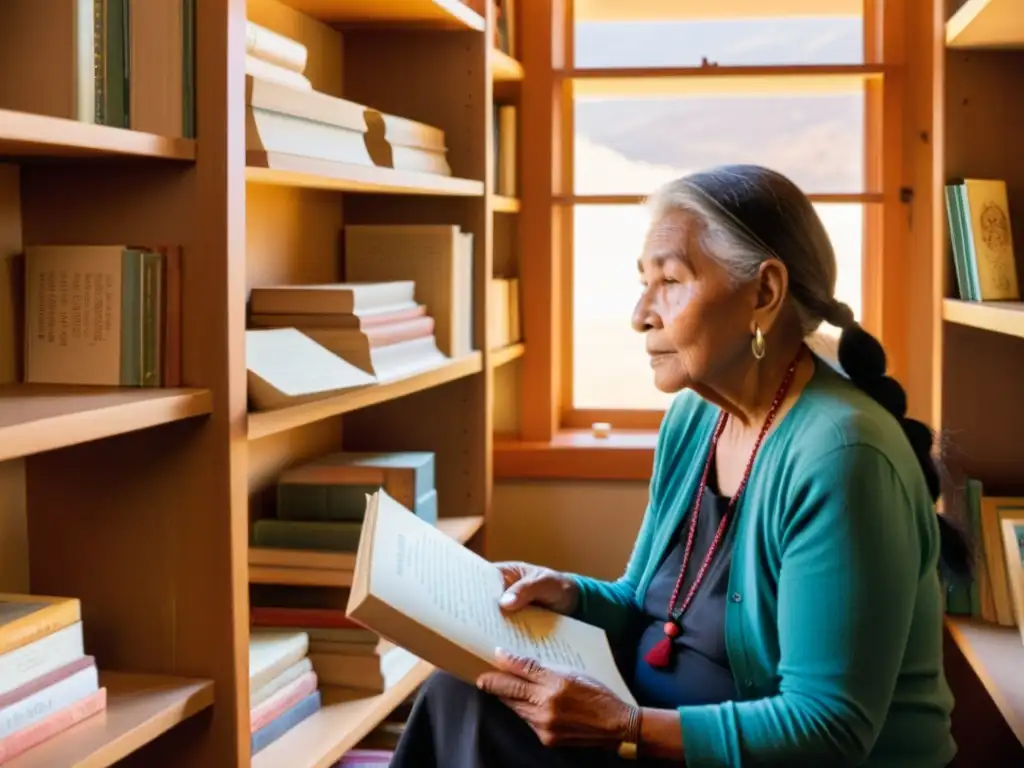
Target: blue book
[(284, 722)]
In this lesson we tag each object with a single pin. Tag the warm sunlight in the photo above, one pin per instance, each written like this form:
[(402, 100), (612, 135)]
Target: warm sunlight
[(610, 367)]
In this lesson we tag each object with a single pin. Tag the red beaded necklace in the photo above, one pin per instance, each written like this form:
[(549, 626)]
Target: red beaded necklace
[(661, 654)]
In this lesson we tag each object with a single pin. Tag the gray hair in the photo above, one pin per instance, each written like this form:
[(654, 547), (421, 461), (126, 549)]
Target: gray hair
[(749, 214)]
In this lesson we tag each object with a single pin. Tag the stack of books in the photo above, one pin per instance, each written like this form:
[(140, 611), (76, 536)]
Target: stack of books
[(103, 315), (47, 683), (321, 504), (283, 685), (342, 654), (287, 116), (438, 258), (378, 327), (275, 58)]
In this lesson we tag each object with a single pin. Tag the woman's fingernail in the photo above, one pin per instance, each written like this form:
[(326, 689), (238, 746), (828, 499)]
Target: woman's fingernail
[(507, 599)]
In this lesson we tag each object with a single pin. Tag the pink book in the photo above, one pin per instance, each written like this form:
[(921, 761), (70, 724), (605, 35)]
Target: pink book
[(45, 681), (278, 702), (50, 726)]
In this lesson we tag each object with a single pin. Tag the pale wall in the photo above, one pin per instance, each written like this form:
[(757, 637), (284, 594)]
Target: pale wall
[(583, 526)]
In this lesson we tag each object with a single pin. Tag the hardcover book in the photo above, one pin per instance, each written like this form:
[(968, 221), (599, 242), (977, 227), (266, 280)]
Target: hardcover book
[(439, 600)]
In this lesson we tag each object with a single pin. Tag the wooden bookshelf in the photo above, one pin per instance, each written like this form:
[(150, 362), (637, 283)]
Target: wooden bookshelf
[(264, 423), (996, 654), (431, 61), (38, 417), (986, 24), (970, 55), (322, 739), (998, 317), (505, 68), (139, 501), (292, 171), (122, 497), (506, 355), (139, 709), (433, 14), (505, 204), (26, 134)]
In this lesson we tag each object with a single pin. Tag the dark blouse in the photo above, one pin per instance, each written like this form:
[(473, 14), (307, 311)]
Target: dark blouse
[(699, 672)]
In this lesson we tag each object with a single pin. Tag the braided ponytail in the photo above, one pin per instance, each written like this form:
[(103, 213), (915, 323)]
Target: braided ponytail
[(863, 360), (750, 214)]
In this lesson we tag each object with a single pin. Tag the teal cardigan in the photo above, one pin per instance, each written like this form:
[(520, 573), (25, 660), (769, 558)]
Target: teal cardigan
[(833, 624)]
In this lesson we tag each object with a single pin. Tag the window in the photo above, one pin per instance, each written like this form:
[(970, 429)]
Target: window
[(609, 366), (660, 88)]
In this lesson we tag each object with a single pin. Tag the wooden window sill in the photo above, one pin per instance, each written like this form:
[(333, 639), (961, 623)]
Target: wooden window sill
[(577, 455)]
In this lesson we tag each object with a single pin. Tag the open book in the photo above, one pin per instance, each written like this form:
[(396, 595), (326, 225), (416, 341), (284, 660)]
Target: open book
[(437, 599)]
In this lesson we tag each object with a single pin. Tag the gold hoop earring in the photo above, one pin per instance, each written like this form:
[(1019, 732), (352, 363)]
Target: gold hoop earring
[(757, 343)]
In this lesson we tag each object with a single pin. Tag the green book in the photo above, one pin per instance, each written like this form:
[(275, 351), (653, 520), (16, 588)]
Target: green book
[(293, 534), (93, 315), (335, 487)]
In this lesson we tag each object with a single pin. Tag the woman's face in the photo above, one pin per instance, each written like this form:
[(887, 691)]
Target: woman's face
[(696, 320)]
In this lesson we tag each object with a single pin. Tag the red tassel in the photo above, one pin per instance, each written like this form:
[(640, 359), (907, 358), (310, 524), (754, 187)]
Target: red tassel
[(660, 655)]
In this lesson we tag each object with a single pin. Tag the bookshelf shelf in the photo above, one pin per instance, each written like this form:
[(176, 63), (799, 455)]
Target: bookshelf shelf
[(505, 204), (999, 317), (434, 14), (986, 24), (265, 423), (139, 709), (320, 740), (25, 134), (149, 473), (293, 171), (37, 417), (504, 68), (505, 355), (996, 655), (333, 569), (972, 65)]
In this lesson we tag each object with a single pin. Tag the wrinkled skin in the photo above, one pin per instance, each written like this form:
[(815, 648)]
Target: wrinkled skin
[(697, 323)]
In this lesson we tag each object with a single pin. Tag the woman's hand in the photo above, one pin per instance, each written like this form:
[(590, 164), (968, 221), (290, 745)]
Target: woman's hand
[(562, 708), (527, 584)]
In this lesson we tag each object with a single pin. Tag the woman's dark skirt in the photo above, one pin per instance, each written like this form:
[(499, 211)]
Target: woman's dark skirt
[(455, 725)]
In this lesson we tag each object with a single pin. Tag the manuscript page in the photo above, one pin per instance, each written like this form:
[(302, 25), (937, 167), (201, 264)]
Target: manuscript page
[(445, 588)]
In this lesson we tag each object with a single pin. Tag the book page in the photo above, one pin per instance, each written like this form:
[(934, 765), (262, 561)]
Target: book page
[(446, 587)]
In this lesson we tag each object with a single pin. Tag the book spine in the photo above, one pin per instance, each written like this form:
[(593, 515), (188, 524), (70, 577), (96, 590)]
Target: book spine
[(131, 309), (59, 721), (290, 534), (52, 677), (269, 46), (280, 701), (151, 347), (322, 501), (274, 730), (42, 704), (23, 664), (39, 624), (258, 695)]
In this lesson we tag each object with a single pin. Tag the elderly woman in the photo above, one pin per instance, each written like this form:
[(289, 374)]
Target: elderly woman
[(782, 605)]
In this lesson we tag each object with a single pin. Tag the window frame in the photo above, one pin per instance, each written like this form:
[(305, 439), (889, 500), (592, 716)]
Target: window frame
[(551, 429)]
